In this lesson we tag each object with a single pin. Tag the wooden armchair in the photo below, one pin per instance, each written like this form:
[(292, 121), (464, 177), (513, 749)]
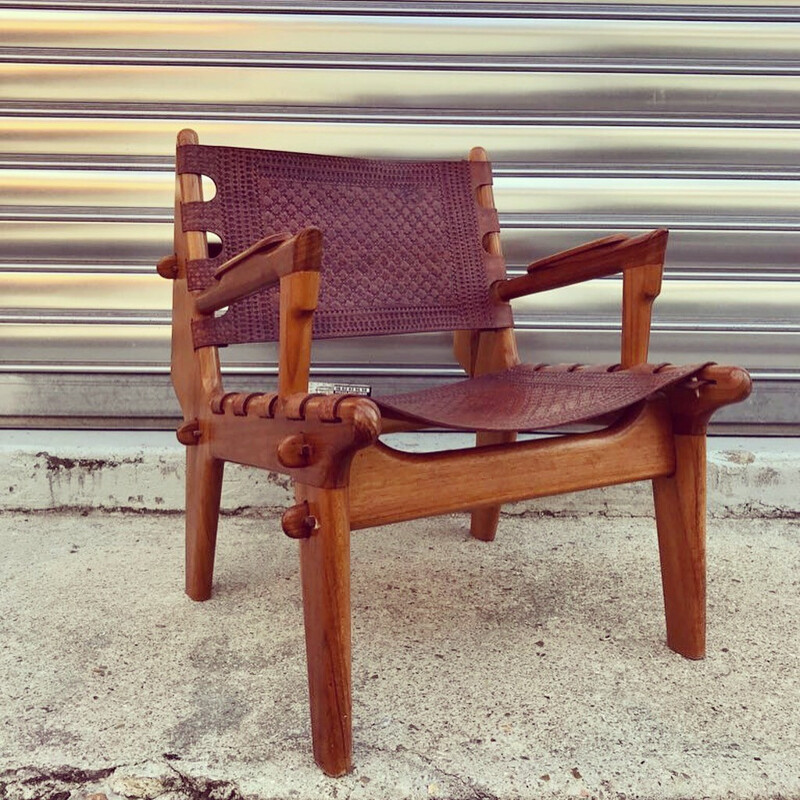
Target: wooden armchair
[(336, 247)]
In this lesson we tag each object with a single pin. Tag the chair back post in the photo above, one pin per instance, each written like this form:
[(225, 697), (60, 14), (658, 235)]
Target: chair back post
[(484, 351), (195, 373)]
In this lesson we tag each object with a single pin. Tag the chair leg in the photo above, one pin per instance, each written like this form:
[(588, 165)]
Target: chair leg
[(325, 574), (203, 492), (680, 502), (483, 521)]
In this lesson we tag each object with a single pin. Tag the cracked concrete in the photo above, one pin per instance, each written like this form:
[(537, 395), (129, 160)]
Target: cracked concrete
[(125, 782), (531, 667)]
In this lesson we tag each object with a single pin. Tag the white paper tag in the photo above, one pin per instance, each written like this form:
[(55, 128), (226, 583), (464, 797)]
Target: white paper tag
[(324, 387)]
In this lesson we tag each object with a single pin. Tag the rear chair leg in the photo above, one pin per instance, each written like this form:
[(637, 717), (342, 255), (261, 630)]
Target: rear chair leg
[(203, 492), (483, 521), (680, 502), (325, 575)]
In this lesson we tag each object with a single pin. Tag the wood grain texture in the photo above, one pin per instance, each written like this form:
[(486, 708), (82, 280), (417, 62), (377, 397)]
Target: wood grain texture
[(195, 376), (465, 349), (594, 260), (496, 350), (640, 287), (298, 300), (259, 437), (297, 521), (167, 267), (693, 405), (490, 351), (389, 486), (680, 502), (325, 575), (592, 249), (195, 373), (203, 492), (261, 265)]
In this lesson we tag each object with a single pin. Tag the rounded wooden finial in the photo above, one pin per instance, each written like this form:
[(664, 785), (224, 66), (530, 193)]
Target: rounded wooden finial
[(187, 136), (478, 154)]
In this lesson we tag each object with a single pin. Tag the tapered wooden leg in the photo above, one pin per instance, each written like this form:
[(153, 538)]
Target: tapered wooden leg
[(325, 573), (680, 502), (203, 492), (483, 521)]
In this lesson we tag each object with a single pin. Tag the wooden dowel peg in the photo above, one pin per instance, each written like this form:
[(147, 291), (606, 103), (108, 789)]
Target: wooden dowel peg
[(167, 267), (298, 522), (189, 433), (295, 451)]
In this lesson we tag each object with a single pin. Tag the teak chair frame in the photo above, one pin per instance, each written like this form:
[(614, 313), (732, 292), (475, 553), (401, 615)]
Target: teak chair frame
[(345, 479)]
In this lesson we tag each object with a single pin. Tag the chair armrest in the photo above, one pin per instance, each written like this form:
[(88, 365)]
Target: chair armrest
[(261, 265), (593, 260)]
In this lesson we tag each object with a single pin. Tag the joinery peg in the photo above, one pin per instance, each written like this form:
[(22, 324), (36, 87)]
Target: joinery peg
[(167, 267), (295, 451), (297, 522), (189, 432)]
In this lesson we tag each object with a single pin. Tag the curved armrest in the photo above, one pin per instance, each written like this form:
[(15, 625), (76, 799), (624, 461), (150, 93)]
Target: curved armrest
[(593, 260), (262, 264)]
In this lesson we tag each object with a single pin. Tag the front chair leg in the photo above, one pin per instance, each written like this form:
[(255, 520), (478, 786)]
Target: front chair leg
[(680, 503), (325, 575), (203, 492)]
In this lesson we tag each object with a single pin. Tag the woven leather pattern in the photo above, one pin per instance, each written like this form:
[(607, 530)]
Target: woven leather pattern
[(533, 397), (402, 241)]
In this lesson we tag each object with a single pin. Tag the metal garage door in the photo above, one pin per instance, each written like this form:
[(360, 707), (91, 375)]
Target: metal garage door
[(598, 117)]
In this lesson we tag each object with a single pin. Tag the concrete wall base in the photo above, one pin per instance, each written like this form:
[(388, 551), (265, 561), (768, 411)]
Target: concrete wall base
[(144, 472)]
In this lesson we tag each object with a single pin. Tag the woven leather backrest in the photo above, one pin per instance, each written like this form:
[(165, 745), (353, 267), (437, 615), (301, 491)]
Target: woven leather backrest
[(402, 241)]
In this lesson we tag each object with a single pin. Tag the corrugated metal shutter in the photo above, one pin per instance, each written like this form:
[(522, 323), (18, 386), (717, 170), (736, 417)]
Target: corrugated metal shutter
[(599, 118)]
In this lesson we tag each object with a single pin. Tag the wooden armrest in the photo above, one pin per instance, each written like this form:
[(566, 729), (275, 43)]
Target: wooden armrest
[(261, 247), (594, 247), (262, 264), (593, 260)]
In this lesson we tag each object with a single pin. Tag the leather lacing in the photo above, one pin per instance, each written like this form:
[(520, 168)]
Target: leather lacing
[(525, 397)]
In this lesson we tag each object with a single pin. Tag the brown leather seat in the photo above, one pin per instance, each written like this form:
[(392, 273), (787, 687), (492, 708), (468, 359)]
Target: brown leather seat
[(533, 397)]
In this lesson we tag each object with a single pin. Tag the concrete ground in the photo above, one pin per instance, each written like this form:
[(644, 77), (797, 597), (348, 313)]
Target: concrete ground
[(532, 667)]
